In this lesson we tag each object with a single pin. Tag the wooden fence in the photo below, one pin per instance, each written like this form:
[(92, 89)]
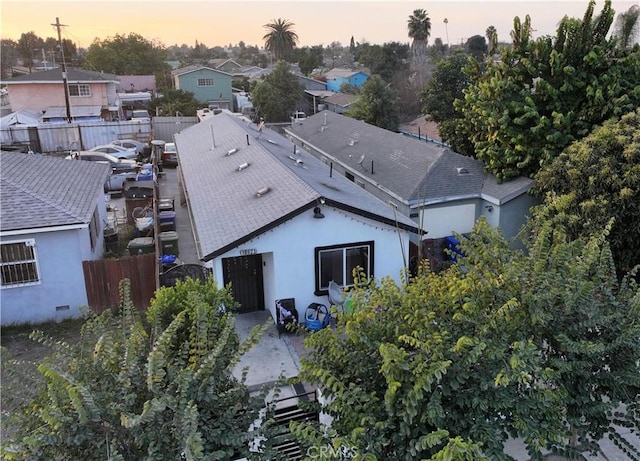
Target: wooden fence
[(102, 279)]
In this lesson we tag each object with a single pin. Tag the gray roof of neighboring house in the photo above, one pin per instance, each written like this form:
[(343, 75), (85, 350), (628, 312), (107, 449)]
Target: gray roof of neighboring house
[(340, 72), (195, 67), (38, 191), (224, 202), (340, 99), (413, 170), (73, 76)]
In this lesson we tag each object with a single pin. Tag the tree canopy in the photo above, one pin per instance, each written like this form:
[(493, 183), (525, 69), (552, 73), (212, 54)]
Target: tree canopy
[(126, 55), (156, 390), (541, 346), (277, 96), (375, 104), (544, 94), (596, 179)]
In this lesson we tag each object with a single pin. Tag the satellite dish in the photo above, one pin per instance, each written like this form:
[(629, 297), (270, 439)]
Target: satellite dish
[(361, 159)]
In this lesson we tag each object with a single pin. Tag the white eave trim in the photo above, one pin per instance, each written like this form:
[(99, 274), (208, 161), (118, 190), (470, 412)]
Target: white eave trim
[(41, 230)]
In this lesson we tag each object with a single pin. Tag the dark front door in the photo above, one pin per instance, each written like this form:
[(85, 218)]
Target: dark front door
[(244, 273)]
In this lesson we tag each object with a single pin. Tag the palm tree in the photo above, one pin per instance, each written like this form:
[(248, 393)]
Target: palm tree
[(419, 31), (281, 38)]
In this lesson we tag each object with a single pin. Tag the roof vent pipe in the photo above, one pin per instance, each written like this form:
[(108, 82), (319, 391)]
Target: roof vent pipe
[(231, 152), (247, 140), (262, 191)]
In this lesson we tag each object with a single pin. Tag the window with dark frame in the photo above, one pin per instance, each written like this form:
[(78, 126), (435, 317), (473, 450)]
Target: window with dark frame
[(79, 89), (18, 264), (205, 82), (338, 262)]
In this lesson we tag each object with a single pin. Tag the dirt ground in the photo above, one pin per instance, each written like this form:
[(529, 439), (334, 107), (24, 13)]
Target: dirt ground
[(19, 376)]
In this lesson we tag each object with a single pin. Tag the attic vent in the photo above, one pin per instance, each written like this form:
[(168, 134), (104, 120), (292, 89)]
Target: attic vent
[(262, 191), (322, 128), (462, 171), (232, 151), (243, 166), (353, 142)]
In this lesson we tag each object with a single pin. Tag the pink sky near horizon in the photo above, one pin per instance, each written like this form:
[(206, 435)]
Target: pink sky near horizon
[(219, 23)]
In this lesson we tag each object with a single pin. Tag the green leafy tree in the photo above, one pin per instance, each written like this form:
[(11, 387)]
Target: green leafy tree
[(127, 55), (539, 345), (309, 59), (30, 47), (447, 83), (376, 104), (385, 60), (596, 179), (277, 96), (419, 26), (129, 391), (281, 38), (627, 26), (9, 51), (476, 46), (173, 101), (492, 39), (544, 94)]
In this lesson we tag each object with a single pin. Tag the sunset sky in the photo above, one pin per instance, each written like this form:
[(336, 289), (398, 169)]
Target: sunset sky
[(214, 22)]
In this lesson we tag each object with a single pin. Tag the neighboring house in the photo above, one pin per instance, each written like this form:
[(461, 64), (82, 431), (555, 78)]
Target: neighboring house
[(337, 76), (337, 102), (210, 86), (277, 223), (442, 191), (53, 218), (92, 95)]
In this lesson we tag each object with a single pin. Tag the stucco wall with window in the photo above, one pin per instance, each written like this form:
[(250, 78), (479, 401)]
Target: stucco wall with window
[(44, 95), (289, 263), (60, 290)]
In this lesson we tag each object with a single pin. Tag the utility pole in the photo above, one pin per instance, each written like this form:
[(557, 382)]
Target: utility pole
[(64, 70)]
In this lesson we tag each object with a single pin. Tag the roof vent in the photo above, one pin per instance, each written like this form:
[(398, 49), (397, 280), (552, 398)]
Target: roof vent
[(231, 152), (262, 191), (462, 171), (243, 166)]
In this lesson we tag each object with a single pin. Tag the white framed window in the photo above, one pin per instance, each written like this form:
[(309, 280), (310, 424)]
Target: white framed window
[(79, 89), (19, 264), (338, 262), (205, 82)]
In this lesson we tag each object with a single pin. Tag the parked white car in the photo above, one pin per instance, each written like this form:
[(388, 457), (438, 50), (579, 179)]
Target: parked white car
[(130, 144), (116, 151)]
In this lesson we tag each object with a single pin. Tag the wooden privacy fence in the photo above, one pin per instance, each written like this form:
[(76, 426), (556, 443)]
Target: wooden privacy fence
[(102, 279)]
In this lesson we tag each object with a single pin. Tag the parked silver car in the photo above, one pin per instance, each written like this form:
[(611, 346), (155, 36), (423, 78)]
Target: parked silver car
[(116, 151), (116, 181), (130, 144)]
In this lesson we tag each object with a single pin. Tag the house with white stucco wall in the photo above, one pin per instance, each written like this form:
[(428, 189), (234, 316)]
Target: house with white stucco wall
[(277, 223)]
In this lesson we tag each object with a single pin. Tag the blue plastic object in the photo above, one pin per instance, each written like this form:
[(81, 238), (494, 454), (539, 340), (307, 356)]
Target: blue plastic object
[(316, 316)]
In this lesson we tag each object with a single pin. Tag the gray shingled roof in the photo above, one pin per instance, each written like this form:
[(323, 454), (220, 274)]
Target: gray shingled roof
[(224, 204), (55, 75), (411, 169), (37, 191)]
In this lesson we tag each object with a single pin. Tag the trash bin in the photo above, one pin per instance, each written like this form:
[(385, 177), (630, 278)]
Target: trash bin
[(169, 243), (141, 245), (166, 204), (167, 220)]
